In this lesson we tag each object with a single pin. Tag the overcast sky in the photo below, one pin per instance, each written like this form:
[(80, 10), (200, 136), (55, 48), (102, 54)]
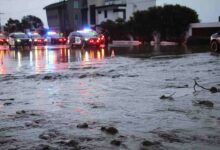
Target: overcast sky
[(16, 9)]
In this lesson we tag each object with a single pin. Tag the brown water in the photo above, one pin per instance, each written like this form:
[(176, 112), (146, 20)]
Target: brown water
[(59, 88)]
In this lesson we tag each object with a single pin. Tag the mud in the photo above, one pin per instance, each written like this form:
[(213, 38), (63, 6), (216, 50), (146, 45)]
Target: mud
[(140, 98)]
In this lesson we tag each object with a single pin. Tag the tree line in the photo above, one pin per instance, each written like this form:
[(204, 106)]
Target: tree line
[(31, 23), (170, 23)]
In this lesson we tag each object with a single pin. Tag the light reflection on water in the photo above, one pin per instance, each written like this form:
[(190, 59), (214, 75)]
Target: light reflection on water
[(53, 58), (41, 59)]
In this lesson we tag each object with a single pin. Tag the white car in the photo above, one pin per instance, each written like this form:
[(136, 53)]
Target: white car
[(215, 42), (17, 39)]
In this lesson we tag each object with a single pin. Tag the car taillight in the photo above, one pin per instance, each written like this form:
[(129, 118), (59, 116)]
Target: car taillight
[(61, 40), (7, 40), (1, 40), (91, 41), (98, 40)]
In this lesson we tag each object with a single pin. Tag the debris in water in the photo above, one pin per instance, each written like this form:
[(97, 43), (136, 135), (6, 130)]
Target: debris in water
[(83, 76), (206, 103), (72, 143), (8, 103), (49, 135), (47, 78), (169, 97), (20, 112), (149, 143), (212, 89), (7, 99), (116, 142), (109, 130), (84, 125)]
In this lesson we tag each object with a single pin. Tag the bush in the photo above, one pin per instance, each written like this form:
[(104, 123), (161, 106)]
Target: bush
[(117, 30)]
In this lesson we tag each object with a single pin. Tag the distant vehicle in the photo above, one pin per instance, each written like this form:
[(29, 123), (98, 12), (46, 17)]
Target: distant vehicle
[(54, 38), (17, 39), (215, 42), (85, 38), (3, 39), (37, 39)]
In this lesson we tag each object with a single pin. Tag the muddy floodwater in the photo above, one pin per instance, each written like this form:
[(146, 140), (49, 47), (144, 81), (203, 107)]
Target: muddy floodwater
[(55, 98)]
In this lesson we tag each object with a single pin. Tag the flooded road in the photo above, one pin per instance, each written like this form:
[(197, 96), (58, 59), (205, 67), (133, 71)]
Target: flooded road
[(103, 99)]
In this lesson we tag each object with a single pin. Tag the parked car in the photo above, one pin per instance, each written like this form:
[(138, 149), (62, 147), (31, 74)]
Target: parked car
[(17, 39), (54, 38), (3, 39), (215, 42), (85, 38), (37, 39)]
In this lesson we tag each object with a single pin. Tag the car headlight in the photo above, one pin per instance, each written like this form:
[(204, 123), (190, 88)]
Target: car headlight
[(86, 39), (45, 40), (30, 40), (18, 40)]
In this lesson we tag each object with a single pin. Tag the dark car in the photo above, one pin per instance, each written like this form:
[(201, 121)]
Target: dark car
[(54, 38), (17, 39), (3, 40), (37, 39), (85, 38), (215, 42)]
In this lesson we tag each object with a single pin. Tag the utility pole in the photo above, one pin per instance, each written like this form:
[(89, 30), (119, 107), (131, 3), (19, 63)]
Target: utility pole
[(1, 22), (64, 16)]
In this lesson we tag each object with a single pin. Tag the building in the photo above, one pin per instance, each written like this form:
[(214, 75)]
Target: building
[(92, 4), (103, 10), (111, 10), (65, 16), (69, 15)]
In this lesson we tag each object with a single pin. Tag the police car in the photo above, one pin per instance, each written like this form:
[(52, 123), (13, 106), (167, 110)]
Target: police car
[(85, 38), (54, 38), (37, 39)]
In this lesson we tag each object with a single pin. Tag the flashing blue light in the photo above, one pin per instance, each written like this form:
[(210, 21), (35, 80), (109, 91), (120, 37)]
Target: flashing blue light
[(85, 30), (51, 33), (29, 33), (32, 33)]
